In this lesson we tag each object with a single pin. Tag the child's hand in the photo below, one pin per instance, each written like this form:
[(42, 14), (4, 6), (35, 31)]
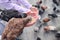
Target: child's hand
[(34, 14)]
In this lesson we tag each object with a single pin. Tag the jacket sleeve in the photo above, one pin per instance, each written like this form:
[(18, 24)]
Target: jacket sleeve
[(20, 8), (25, 3)]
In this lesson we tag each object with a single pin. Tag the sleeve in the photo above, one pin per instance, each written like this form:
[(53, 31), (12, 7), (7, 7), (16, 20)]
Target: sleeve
[(20, 8), (25, 3)]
